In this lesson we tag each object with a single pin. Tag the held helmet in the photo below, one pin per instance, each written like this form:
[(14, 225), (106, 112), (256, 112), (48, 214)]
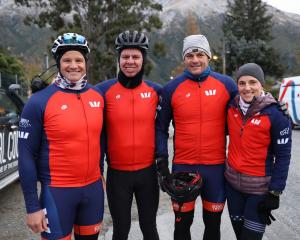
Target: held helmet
[(184, 186), (67, 42), (131, 39)]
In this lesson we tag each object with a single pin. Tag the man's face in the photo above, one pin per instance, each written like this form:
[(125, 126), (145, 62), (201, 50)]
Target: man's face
[(72, 66), (196, 62), (131, 61), (249, 87)]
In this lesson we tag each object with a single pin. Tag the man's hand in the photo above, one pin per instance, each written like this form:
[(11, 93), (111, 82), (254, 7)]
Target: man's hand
[(37, 221), (163, 171)]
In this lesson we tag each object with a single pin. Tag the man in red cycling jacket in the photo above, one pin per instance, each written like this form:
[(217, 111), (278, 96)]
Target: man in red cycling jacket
[(130, 132), (59, 146), (196, 103)]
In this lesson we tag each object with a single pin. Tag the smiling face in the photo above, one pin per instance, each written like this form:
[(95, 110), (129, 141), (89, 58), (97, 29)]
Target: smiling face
[(196, 62), (249, 87), (131, 61), (73, 66)]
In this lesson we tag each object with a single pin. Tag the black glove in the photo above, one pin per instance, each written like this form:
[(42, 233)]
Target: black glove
[(265, 207), (163, 171), (283, 107)]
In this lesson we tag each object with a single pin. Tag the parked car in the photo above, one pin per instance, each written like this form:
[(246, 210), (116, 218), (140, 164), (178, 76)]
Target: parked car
[(290, 94), (11, 106)]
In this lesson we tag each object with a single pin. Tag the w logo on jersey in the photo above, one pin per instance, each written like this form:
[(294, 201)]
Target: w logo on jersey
[(94, 104), (23, 135), (146, 95), (255, 121), (210, 92), (282, 141)]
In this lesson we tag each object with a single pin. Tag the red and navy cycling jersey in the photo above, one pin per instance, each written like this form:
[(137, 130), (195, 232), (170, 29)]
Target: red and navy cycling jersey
[(197, 108), (260, 145), (59, 140), (130, 124)]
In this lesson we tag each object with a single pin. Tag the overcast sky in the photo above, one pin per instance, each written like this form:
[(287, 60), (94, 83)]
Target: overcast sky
[(285, 5)]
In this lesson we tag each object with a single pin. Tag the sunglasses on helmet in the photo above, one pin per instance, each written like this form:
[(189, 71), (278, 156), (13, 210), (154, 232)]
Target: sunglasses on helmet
[(73, 39)]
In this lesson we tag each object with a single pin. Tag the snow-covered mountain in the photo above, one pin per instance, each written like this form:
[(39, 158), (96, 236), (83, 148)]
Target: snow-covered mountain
[(208, 8), (171, 9), (9, 8), (208, 14), (202, 8)]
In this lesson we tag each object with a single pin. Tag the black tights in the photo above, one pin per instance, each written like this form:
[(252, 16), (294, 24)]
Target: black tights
[(212, 222), (184, 220), (121, 186)]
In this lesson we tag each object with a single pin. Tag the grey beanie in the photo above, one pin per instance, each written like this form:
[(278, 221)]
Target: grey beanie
[(192, 42), (251, 69)]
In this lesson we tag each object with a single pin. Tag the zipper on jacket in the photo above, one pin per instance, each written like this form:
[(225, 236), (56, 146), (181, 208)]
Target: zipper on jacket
[(88, 139), (245, 122), (200, 124), (133, 127), (242, 130)]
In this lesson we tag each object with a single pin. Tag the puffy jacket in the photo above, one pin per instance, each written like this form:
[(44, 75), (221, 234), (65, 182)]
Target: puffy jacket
[(197, 108), (260, 141), (130, 124), (59, 140)]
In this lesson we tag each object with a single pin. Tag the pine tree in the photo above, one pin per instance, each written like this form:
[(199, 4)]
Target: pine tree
[(248, 31), (100, 21)]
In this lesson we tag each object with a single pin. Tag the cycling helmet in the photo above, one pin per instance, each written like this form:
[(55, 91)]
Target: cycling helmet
[(132, 39), (183, 186), (67, 42)]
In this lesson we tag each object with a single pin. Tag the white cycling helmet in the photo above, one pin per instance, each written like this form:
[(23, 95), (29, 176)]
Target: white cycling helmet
[(70, 41)]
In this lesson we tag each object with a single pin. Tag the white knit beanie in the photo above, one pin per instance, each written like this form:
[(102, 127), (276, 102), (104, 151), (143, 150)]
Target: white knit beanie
[(198, 42)]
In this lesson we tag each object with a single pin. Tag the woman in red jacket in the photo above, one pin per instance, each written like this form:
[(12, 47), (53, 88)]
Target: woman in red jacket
[(258, 156)]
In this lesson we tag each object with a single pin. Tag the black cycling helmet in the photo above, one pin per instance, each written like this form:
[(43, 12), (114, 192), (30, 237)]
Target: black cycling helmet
[(67, 42), (184, 186), (132, 39)]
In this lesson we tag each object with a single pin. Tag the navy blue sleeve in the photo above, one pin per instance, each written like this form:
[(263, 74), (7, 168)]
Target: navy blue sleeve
[(30, 134), (157, 87), (163, 118), (229, 83), (281, 144), (103, 141), (104, 87), (231, 88)]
